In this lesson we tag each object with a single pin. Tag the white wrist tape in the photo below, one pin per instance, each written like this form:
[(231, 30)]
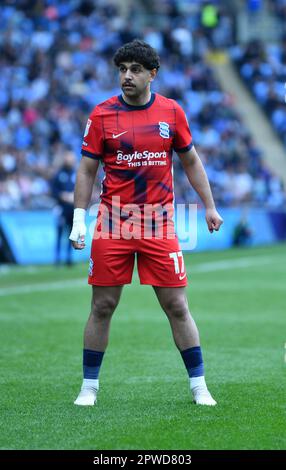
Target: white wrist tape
[(79, 215), (79, 227)]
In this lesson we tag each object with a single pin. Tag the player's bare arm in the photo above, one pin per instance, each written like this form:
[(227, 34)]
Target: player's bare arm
[(83, 189), (197, 176)]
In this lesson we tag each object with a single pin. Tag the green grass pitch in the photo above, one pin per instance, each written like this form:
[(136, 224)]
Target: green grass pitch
[(237, 298)]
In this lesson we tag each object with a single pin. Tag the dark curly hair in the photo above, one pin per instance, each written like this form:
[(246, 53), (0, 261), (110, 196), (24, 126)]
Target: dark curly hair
[(137, 51)]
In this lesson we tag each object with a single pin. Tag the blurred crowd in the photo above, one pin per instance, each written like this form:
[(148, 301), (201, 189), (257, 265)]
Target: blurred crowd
[(56, 66), (263, 67)]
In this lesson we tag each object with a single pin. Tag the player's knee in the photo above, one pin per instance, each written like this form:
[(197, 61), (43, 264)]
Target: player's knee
[(176, 308), (104, 307)]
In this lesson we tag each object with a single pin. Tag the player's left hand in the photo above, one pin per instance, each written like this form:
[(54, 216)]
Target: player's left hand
[(214, 220)]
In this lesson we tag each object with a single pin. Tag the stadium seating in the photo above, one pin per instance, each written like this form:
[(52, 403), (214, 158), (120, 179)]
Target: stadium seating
[(263, 68)]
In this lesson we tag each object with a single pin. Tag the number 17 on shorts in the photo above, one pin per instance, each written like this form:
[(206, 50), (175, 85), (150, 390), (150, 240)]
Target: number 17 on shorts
[(179, 265)]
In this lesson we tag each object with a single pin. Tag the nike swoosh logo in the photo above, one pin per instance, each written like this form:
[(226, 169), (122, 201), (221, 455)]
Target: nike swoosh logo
[(182, 277), (118, 135)]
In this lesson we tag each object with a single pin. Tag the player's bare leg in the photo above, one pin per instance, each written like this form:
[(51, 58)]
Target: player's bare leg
[(103, 303), (96, 334), (175, 304), (186, 336)]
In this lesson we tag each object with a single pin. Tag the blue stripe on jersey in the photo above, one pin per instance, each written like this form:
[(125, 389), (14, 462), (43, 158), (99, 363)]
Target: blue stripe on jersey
[(167, 188), (184, 149), (91, 155)]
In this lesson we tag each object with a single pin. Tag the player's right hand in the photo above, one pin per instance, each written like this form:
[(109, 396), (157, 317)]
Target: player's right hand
[(77, 235)]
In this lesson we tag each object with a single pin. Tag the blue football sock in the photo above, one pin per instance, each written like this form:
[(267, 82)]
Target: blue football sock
[(193, 360), (91, 363)]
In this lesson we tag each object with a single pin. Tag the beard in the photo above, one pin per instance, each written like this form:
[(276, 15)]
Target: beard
[(129, 90)]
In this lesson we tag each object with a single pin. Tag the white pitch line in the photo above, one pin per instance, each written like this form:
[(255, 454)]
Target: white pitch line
[(29, 288), (30, 269), (235, 263)]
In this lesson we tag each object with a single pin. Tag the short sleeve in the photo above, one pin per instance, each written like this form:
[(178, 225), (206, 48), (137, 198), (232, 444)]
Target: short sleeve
[(93, 138), (183, 138)]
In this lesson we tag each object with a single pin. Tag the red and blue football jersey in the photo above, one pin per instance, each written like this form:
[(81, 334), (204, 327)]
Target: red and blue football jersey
[(135, 145)]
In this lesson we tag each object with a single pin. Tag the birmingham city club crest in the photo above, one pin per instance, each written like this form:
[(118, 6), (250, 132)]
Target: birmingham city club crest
[(164, 130)]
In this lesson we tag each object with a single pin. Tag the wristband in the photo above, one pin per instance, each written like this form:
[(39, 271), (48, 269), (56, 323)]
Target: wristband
[(79, 215)]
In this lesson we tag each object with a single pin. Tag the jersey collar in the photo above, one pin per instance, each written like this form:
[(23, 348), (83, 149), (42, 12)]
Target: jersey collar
[(136, 108)]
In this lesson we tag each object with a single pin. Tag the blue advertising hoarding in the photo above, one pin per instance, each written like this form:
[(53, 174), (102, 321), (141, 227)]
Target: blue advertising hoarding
[(31, 235)]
